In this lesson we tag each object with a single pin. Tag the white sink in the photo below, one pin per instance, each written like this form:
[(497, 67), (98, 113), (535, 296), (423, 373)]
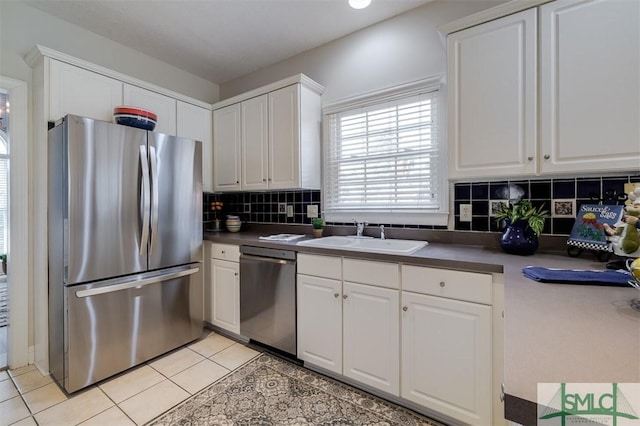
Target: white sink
[(371, 245)]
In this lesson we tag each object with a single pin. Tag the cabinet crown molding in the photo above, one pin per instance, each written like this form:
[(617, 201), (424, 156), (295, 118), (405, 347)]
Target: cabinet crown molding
[(294, 79), (40, 51), (508, 8)]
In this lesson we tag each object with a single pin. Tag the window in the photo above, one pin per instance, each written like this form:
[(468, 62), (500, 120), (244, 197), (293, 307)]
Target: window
[(384, 161), (4, 192)]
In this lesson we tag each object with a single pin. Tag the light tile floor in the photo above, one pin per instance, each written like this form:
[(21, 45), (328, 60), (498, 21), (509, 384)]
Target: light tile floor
[(131, 398)]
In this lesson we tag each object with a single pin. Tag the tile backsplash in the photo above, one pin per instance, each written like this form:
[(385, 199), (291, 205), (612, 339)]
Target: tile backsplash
[(265, 207), (568, 191), (271, 207)]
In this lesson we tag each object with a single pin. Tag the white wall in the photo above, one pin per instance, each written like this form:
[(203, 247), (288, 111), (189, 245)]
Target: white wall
[(402, 49), (22, 27)]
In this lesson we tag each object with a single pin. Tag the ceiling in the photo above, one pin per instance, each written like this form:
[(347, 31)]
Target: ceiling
[(220, 40)]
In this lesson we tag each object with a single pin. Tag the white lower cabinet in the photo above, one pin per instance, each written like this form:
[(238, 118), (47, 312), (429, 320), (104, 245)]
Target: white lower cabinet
[(426, 335), (225, 287), (350, 328), (446, 356), (371, 348), (226, 295), (320, 322)]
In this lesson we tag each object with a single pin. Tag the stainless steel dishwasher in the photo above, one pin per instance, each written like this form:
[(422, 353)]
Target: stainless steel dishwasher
[(268, 297)]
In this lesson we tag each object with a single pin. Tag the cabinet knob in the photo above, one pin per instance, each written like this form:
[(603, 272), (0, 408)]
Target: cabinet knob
[(222, 252), (264, 180), (530, 158), (547, 156), (344, 296), (336, 295), (405, 308), (237, 181), (442, 284), (269, 179), (235, 273)]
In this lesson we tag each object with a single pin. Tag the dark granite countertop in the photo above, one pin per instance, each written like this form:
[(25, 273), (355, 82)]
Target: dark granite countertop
[(554, 333)]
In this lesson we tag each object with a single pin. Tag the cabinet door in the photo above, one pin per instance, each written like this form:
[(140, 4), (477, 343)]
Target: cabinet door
[(492, 98), (590, 103), (372, 336), (226, 148), (255, 144), (195, 122), (226, 295), (78, 91), (320, 322), (284, 138), (163, 106), (446, 356)]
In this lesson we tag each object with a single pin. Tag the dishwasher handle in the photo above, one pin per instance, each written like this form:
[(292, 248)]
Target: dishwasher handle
[(266, 259)]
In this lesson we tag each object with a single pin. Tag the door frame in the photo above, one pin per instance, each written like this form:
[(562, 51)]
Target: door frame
[(19, 276)]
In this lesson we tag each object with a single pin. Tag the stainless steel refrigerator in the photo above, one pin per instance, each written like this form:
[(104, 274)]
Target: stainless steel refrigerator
[(125, 247)]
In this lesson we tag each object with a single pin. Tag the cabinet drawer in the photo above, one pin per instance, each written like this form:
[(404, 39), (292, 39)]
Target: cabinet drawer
[(381, 274), (470, 286), (320, 266), (225, 252)]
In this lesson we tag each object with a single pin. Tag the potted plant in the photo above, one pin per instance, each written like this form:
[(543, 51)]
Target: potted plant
[(3, 258), (216, 207), (523, 225), (318, 225)]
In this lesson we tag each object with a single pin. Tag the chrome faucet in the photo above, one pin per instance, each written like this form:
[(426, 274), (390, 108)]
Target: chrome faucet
[(382, 232), (359, 227)]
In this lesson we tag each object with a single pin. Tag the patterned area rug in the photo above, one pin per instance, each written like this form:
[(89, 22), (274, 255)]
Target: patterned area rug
[(270, 391)]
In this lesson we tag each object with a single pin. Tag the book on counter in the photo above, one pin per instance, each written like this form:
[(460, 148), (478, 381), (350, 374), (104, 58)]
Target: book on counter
[(589, 231)]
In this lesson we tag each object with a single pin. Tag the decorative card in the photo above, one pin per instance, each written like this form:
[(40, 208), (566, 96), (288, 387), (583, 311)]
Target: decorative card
[(589, 229)]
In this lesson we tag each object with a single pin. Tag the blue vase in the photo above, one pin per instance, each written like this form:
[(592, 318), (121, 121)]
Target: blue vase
[(519, 238)]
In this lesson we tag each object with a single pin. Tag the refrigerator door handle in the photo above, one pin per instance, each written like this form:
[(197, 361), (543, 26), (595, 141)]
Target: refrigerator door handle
[(145, 202), (154, 197), (135, 284)]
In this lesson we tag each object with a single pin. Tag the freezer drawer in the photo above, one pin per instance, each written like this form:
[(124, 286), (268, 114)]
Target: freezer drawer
[(112, 327)]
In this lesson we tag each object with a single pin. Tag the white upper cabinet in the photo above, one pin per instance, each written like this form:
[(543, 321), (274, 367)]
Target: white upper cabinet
[(492, 98), (227, 132), (277, 135), (74, 90), (163, 106), (590, 85), (195, 122), (285, 142), (255, 143)]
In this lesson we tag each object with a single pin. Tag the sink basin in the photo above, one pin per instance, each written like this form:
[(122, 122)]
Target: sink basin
[(371, 245)]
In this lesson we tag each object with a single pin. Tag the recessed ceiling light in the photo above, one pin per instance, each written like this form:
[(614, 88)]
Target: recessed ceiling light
[(359, 4)]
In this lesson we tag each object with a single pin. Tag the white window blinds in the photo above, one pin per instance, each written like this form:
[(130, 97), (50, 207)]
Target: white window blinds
[(384, 159), (4, 195)]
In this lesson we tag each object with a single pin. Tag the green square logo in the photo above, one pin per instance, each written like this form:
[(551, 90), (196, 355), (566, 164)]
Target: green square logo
[(564, 404)]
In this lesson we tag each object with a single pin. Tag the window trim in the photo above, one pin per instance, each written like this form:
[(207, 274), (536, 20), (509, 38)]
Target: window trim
[(438, 217)]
